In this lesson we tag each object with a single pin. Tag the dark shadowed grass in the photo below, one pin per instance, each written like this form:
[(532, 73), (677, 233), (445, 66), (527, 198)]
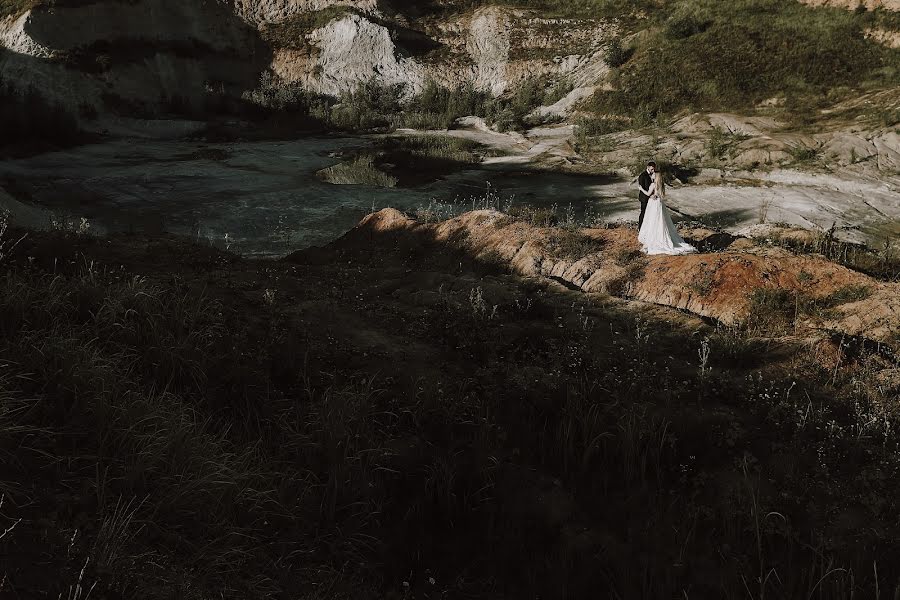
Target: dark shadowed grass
[(183, 434), (29, 122), (776, 311)]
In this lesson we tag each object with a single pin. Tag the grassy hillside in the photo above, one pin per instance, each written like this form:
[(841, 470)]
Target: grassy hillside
[(708, 55), (388, 418), (732, 55)]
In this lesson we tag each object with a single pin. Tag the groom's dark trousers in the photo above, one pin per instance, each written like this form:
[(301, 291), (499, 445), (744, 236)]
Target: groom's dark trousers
[(644, 180)]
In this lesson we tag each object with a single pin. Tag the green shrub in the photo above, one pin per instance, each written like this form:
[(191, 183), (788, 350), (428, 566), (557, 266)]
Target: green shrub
[(537, 216), (558, 91), (616, 54), (721, 142), (369, 106), (592, 126), (804, 154), (437, 107), (277, 95), (771, 310)]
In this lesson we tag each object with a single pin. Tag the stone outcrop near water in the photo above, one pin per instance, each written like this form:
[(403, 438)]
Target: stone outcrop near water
[(718, 284)]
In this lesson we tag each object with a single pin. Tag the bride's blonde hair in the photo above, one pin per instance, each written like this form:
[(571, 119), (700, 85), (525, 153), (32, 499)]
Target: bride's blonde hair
[(660, 184)]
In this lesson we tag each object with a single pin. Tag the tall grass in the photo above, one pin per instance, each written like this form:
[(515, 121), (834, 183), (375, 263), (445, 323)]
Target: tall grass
[(158, 441), (437, 107)]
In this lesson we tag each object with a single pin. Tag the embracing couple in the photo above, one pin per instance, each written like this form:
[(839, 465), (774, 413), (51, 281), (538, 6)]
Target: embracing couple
[(657, 233)]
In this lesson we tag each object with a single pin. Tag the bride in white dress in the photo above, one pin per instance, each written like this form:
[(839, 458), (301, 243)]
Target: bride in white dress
[(658, 234)]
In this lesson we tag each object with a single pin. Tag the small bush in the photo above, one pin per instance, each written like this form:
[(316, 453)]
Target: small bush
[(370, 106), (733, 348), (626, 257), (560, 90), (771, 310), (685, 23), (721, 142), (804, 154), (433, 146), (592, 126), (845, 295), (437, 107), (277, 95), (616, 54)]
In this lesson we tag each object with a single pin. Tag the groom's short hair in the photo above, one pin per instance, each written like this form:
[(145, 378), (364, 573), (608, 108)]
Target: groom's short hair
[(651, 164)]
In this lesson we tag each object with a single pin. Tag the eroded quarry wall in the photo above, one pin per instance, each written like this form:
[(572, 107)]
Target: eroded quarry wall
[(143, 57)]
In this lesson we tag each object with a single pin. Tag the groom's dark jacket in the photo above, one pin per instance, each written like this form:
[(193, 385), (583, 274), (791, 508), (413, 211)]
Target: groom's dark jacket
[(645, 180)]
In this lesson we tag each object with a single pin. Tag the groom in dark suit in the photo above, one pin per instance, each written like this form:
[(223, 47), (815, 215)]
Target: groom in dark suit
[(645, 179)]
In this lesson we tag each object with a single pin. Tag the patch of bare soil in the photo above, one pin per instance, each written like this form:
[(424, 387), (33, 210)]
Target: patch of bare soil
[(726, 284)]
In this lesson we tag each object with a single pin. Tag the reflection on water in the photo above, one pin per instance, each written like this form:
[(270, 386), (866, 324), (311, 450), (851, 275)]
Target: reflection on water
[(264, 198)]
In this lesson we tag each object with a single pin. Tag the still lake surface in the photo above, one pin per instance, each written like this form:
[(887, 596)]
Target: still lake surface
[(265, 196)]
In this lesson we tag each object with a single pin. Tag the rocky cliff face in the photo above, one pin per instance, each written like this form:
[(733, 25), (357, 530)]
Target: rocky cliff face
[(149, 57), (346, 52), (492, 48), (137, 57)]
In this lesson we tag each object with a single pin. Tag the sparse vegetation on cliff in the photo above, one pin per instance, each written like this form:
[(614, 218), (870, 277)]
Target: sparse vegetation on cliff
[(16, 7), (733, 55), (292, 32), (374, 107)]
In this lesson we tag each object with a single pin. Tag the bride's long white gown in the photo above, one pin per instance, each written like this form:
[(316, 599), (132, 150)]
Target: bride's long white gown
[(658, 234)]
